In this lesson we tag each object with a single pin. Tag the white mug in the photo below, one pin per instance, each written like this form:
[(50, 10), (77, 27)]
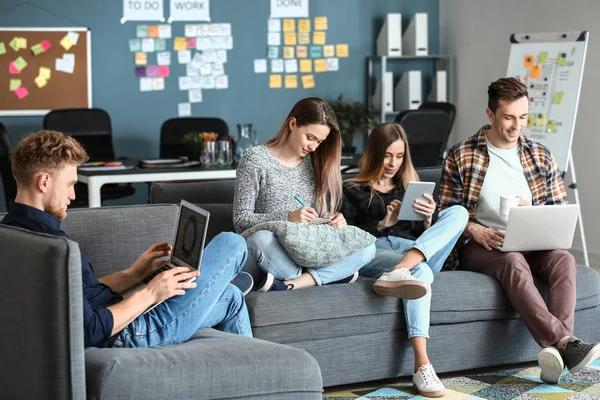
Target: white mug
[(506, 203)]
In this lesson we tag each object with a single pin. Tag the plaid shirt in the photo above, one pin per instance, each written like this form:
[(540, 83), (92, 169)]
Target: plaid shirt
[(466, 164)]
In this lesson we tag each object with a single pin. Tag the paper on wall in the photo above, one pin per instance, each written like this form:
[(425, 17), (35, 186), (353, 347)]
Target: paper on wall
[(274, 39), (148, 45), (184, 57), (163, 58), (291, 66), (184, 109), (277, 65), (66, 63), (333, 64), (195, 96), (74, 36), (218, 69), (274, 25), (145, 84), (190, 70), (260, 66), (158, 84), (222, 82), (215, 56)]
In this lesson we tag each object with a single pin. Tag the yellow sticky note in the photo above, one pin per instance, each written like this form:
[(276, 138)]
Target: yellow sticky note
[(2, 48), (558, 97), (551, 126), (153, 31), (304, 25), (291, 81), (40, 82), (321, 65), (22, 43), (561, 58), (275, 81), (141, 58), (329, 50), (320, 23), (14, 84), (306, 66), (318, 37), (535, 72), (304, 38), (308, 81), (288, 52), (543, 57), (289, 38), (540, 119), (301, 51), (66, 42), (530, 120), (341, 50), (289, 25), (13, 44), (180, 44), (528, 61), (45, 72)]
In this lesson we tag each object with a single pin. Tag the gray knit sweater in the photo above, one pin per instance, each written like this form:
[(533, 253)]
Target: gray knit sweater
[(265, 188)]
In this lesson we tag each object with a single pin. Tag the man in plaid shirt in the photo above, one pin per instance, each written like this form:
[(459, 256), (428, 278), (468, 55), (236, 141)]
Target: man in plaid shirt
[(500, 161)]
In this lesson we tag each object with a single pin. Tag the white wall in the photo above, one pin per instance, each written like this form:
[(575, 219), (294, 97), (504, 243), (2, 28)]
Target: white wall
[(476, 33)]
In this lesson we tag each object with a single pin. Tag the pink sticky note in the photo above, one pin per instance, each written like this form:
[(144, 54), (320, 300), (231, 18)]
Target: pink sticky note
[(163, 70), (21, 92), (12, 68), (190, 42), (46, 45)]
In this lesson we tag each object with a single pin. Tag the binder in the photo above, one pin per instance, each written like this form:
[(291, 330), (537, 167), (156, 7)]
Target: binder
[(389, 40), (439, 87), (388, 93), (408, 91), (415, 41)]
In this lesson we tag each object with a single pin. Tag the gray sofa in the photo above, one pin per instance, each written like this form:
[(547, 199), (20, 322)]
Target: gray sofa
[(357, 336)]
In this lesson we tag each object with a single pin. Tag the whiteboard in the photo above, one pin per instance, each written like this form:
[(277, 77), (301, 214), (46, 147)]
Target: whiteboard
[(551, 66)]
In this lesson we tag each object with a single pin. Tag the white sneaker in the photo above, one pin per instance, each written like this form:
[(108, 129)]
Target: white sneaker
[(400, 283), (427, 382), (552, 365)]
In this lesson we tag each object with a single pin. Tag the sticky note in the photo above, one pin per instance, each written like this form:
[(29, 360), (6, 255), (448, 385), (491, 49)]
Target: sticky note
[(301, 51), (318, 37), (288, 52), (304, 38), (163, 71), (558, 97), (184, 109), (341, 50), (272, 52), (12, 68), (13, 44), (530, 120), (20, 63), (333, 64), (180, 44), (158, 84), (540, 119), (2, 48), (184, 57), (308, 81), (160, 44), (37, 49), (321, 65), (274, 38), (316, 52), (306, 66), (551, 126), (21, 43), (140, 72), (289, 38), (320, 23), (141, 58), (275, 81), (14, 84), (304, 25), (40, 82), (148, 45), (190, 43), (528, 61), (66, 42), (535, 72), (274, 25), (277, 66), (21, 92), (45, 72), (291, 81), (289, 25), (46, 44), (74, 36), (153, 31), (543, 57), (145, 84), (152, 71), (291, 66), (260, 66), (329, 51), (561, 58), (135, 45), (142, 31), (164, 31)]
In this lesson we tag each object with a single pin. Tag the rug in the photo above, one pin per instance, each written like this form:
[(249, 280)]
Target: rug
[(514, 384)]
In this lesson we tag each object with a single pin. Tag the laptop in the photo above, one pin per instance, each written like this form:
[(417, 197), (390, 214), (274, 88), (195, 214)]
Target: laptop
[(190, 238), (534, 228)]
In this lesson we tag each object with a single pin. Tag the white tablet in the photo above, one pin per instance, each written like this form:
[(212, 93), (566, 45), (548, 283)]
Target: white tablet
[(414, 191)]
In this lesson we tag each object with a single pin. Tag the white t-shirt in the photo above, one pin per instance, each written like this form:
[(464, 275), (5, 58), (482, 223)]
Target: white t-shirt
[(504, 177)]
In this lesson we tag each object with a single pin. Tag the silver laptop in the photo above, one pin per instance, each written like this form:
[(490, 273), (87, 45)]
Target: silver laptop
[(188, 246), (533, 228)]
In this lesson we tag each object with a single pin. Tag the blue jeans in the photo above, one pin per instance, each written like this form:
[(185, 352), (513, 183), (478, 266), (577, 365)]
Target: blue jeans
[(265, 252), (435, 243), (213, 303)]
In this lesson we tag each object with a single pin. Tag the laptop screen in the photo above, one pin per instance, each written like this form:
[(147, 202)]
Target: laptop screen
[(188, 241)]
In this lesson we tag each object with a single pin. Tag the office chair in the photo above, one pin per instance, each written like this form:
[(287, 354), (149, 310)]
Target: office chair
[(427, 131), (92, 128), (8, 180), (173, 130)]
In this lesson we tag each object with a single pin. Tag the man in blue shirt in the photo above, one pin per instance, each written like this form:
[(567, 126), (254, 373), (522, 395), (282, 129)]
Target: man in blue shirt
[(45, 168)]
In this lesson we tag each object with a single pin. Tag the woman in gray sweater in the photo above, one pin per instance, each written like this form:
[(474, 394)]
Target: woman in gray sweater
[(294, 177)]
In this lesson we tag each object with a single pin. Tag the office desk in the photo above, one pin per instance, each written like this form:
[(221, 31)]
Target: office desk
[(95, 179)]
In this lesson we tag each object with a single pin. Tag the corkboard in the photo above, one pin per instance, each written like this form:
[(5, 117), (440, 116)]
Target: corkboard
[(63, 90)]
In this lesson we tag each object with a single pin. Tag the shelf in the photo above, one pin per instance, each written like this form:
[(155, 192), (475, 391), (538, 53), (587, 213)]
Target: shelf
[(410, 57)]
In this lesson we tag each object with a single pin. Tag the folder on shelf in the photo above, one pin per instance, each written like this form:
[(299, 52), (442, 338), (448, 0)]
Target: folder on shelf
[(389, 40), (414, 40), (387, 85), (408, 91), (439, 87)]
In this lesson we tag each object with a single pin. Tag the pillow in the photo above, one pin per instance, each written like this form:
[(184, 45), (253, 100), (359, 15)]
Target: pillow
[(315, 245)]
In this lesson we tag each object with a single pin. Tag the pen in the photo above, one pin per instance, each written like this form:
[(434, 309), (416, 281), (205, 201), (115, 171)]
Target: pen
[(299, 200)]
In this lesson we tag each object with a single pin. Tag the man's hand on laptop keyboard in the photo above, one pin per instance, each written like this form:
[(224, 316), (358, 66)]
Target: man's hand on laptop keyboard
[(172, 282), (148, 262), (485, 236)]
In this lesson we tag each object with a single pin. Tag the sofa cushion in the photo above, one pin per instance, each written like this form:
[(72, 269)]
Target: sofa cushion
[(220, 191), (353, 309), (211, 365)]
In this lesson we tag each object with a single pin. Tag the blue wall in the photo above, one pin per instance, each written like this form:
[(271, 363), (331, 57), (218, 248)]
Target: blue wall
[(137, 116)]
